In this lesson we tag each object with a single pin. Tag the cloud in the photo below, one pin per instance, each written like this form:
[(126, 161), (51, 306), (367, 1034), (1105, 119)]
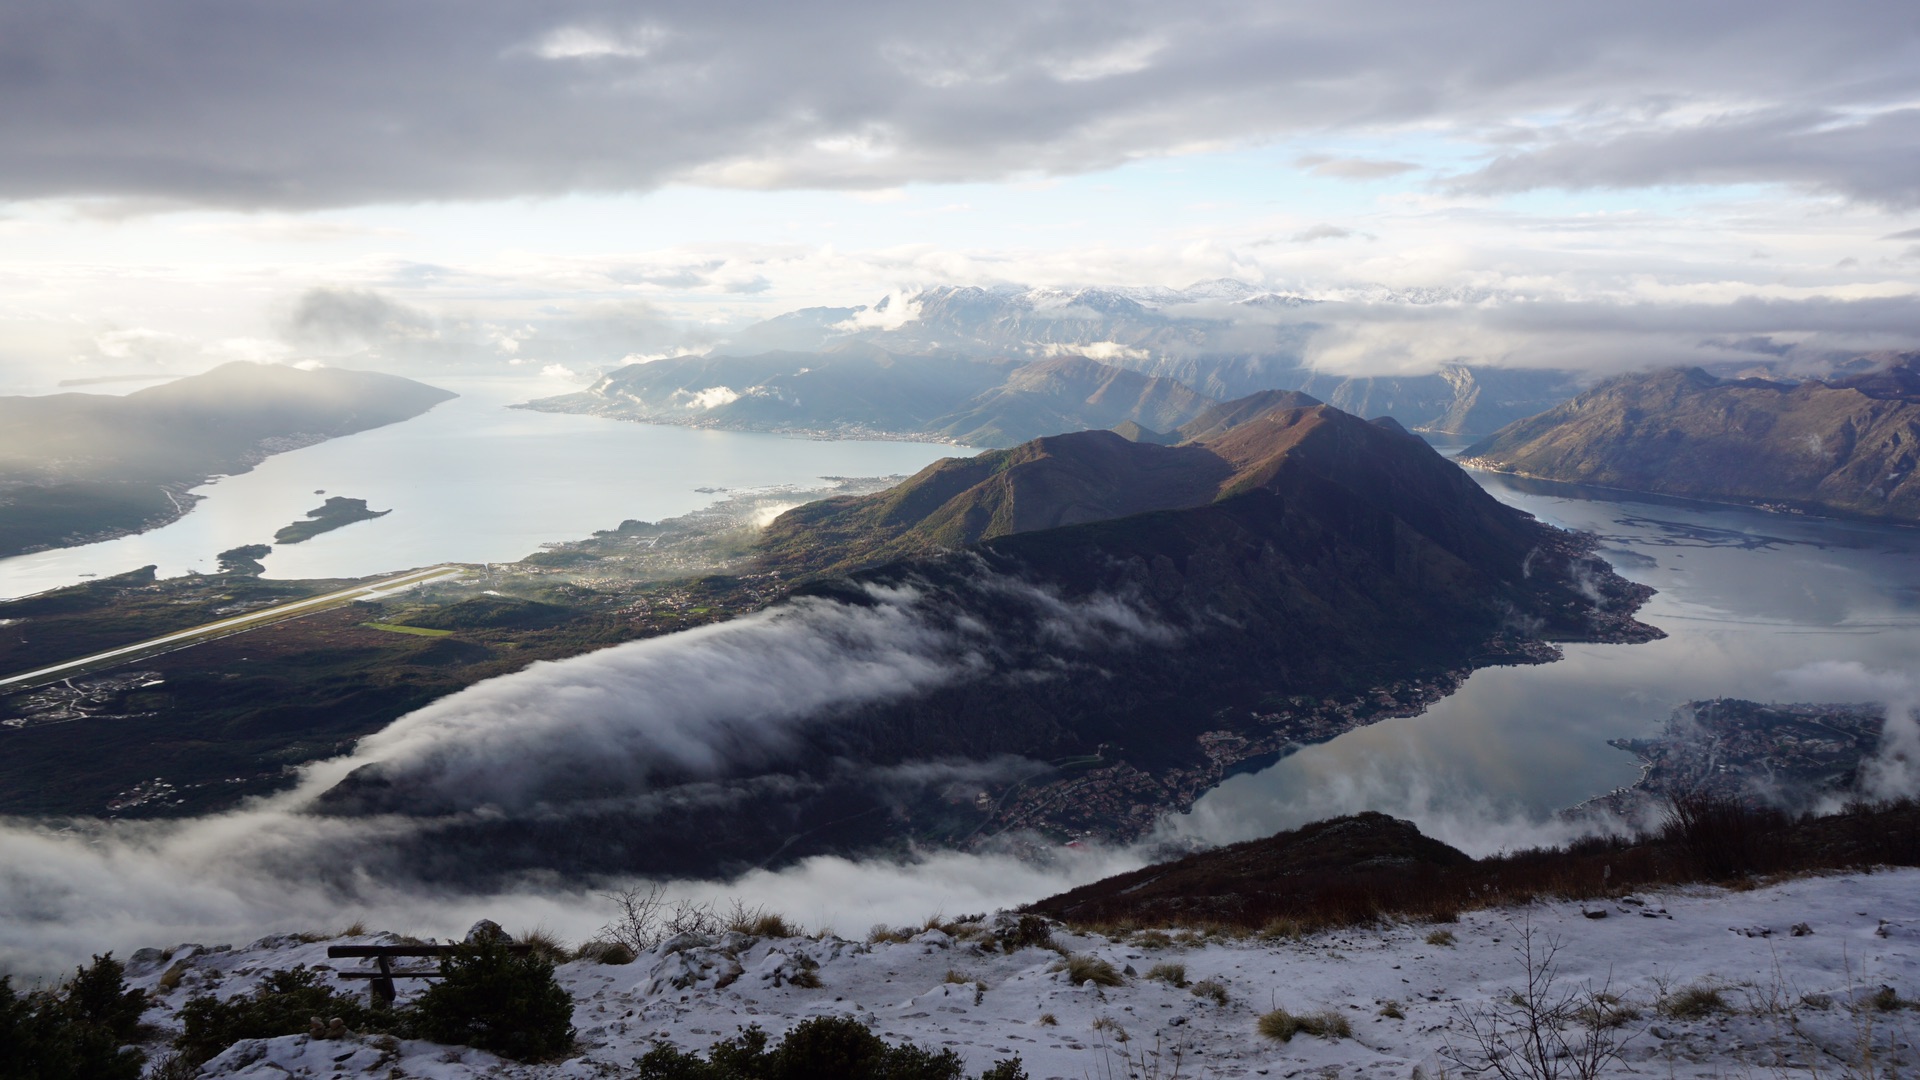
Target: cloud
[(1894, 770), (354, 318), (1599, 337), (1353, 168), (1872, 159), (72, 892), (703, 717), (371, 327), (1321, 232), (719, 703), (589, 43), (213, 103)]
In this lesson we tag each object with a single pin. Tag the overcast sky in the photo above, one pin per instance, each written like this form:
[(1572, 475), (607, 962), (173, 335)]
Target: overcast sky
[(569, 183)]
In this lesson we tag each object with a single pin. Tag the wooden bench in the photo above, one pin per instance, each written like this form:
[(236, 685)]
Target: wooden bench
[(380, 980)]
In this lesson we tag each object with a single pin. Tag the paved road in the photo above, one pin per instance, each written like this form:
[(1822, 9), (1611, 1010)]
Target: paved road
[(248, 621)]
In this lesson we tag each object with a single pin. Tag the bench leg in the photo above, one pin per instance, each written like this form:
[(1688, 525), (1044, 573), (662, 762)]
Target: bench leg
[(382, 989)]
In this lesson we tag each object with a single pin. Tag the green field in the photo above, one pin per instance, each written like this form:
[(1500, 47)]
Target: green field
[(396, 628)]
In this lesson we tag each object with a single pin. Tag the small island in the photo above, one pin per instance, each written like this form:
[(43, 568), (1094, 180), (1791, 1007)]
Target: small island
[(330, 515)]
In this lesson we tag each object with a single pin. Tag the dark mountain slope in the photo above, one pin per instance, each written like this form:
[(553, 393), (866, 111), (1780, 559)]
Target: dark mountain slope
[(1359, 869), (1297, 870), (1850, 445), (1099, 475), (1060, 480), (1134, 431), (77, 467), (1114, 668)]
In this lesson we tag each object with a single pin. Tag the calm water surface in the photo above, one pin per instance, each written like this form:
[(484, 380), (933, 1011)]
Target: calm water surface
[(1745, 597), (470, 481)]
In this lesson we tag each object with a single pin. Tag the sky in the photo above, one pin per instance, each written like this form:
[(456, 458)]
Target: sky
[(567, 185)]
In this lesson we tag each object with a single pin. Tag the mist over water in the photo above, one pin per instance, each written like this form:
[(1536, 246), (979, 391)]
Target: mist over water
[(1757, 605)]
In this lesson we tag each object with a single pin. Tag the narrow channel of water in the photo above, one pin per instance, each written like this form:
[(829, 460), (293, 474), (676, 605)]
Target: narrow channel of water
[(1746, 598)]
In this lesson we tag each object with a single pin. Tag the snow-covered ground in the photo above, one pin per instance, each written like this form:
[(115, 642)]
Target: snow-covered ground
[(1791, 999)]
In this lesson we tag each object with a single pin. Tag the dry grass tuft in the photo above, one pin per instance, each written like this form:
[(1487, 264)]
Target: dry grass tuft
[(545, 945), (1210, 990), (1081, 968), (1693, 1003), (1283, 1025), (605, 952), (1172, 974)]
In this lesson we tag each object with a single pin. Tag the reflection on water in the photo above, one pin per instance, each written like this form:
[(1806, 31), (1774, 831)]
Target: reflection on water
[(470, 481), (1743, 595)]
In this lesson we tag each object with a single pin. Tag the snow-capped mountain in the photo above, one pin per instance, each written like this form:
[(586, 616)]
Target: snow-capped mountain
[(1223, 339)]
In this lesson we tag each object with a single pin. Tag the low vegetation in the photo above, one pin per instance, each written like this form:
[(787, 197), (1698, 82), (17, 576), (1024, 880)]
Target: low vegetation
[(1082, 968), (78, 1031), (1702, 839), (488, 996), (1174, 975), (826, 1046), (496, 999), (1283, 1025), (1211, 991), (1693, 1003), (283, 1003)]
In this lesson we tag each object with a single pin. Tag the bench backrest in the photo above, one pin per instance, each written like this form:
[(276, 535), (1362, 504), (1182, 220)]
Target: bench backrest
[(337, 952)]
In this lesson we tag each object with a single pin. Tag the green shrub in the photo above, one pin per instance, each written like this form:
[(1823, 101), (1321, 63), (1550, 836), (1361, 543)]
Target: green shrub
[(284, 1003), (98, 995), (496, 999), (824, 1046), (75, 1033)]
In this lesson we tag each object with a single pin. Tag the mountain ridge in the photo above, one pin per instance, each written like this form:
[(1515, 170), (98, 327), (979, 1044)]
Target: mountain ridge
[(1847, 445), (1158, 643), (861, 390)]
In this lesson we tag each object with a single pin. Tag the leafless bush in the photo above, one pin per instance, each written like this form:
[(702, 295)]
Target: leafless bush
[(644, 917), (1720, 835), (1543, 1031)]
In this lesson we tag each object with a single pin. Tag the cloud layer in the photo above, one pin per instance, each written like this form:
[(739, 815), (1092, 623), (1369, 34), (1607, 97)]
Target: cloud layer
[(218, 102)]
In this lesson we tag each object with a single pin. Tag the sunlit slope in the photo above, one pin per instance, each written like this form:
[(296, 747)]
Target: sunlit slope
[(1847, 445)]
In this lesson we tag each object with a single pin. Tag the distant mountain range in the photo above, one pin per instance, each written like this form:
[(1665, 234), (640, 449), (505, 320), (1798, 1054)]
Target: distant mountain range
[(862, 391), (1132, 612), (1846, 444), (915, 365), (75, 468), (1223, 338)]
